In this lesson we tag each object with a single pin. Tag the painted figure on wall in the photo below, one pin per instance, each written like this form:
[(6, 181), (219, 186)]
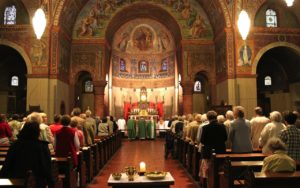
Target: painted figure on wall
[(164, 65), (245, 56), (38, 53), (124, 41), (143, 39), (197, 27), (94, 17)]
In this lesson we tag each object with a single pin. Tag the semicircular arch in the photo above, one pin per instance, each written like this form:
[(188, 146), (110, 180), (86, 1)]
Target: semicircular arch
[(21, 51), (268, 47)]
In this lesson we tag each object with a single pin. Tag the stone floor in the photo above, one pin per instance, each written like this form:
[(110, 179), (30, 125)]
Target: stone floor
[(152, 153)]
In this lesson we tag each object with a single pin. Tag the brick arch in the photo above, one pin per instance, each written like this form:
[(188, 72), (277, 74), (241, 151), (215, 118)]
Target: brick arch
[(21, 51), (268, 47), (76, 73)]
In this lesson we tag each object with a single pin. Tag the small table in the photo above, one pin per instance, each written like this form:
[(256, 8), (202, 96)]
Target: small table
[(141, 182)]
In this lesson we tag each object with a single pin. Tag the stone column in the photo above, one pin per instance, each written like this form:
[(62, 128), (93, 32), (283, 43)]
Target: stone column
[(187, 92), (99, 87)]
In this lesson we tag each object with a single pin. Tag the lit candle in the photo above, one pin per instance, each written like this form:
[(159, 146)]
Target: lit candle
[(142, 167)]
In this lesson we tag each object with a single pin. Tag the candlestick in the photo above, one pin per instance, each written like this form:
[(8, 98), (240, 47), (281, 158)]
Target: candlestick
[(142, 168)]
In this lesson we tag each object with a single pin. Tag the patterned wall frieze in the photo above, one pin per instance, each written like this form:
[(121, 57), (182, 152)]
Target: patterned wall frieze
[(138, 83), (54, 52)]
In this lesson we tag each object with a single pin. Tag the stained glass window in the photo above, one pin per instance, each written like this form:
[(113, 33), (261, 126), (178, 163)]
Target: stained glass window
[(143, 67), (271, 18), (268, 81), (88, 86), (14, 81), (122, 65), (164, 65), (10, 15), (197, 86)]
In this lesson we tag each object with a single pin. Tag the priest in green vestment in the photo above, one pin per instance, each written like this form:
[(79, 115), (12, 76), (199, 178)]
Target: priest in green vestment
[(151, 125), (142, 128), (131, 128)]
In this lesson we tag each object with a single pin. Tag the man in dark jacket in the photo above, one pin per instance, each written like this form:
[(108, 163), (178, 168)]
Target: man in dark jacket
[(214, 136)]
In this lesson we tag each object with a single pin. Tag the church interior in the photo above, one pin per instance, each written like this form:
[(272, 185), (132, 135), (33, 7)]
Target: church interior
[(156, 58)]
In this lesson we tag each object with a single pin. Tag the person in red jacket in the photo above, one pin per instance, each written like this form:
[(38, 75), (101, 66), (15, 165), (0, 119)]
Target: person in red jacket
[(67, 141), (56, 126), (5, 130)]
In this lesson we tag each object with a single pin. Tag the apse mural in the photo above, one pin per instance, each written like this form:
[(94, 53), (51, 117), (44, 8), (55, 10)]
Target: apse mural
[(96, 14), (146, 50)]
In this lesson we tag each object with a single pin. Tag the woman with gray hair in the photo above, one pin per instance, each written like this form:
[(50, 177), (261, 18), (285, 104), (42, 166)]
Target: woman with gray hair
[(272, 129), (279, 161)]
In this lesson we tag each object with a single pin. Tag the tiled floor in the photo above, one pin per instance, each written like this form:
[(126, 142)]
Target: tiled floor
[(152, 153)]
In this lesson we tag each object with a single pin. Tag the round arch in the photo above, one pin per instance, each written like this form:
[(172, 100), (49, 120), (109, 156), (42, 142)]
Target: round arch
[(263, 50), (21, 51)]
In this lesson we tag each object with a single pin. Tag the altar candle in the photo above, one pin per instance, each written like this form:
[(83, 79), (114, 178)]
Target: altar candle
[(142, 167)]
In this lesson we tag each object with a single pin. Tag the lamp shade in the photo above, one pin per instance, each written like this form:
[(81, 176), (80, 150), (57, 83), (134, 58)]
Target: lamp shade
[(289, 3), (39, 23), (244, 24)]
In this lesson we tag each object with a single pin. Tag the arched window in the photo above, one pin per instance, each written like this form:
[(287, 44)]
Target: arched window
[(88, 86), (271, 18), (10, 15), (268, 81), (197, 86), (14, 81), (122, 65)]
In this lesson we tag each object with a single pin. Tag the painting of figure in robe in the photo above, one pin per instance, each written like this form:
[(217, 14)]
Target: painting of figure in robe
[(143, 38)]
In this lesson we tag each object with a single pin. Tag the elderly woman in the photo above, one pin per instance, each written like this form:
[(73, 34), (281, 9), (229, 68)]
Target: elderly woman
[(272, 129), (279, 161), (5, 131)]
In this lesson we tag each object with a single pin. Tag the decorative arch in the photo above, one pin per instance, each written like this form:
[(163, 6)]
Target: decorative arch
[(21, 51), (76, 74), (263, 50)]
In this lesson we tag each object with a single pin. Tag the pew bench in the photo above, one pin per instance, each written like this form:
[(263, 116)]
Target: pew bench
[(217, 161), (272, 180), (27, 182)]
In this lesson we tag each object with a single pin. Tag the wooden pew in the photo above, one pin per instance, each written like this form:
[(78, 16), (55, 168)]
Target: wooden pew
[(81, 169), (272, 180), (67, 171), (190, 153), (235, 171), (88, 158), (196, 163), (96, 158), (217, 160)]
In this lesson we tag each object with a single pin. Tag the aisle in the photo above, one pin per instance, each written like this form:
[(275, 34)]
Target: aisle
[(152, 153)]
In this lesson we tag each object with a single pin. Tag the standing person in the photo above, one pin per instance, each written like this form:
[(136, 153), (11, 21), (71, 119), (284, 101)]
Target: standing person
[(131, 128), (229, 118), (15, 126), (161, 126), (5, 131), (56, 125), (179, 126), (291, 135), (103, 127), (29, 153), (121, 125), (239, 133), (257, 124), (76, 116), (151, 132), (89, 128), (279, 161), (79, 133), (67, 140), (272, 129), (110, 125), (142, 128), (46, 133), (213, 136)]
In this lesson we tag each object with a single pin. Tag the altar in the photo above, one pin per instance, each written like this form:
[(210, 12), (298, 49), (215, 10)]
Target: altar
[(143, 108), (141, 182)]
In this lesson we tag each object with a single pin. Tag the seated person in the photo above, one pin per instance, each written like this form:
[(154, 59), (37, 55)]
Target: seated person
[(29, 153), (279, 161)]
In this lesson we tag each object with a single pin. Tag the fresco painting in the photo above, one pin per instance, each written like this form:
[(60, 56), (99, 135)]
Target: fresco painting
[(95, 16)]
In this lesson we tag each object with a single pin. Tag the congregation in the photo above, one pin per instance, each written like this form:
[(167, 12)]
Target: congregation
[(277, 136)]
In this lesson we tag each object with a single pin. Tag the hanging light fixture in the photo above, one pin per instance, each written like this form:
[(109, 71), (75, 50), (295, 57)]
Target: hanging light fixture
[(39, 23), (289, 3), (244, 24)]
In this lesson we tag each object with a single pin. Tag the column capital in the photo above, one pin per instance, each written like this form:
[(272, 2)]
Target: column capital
[(99, 83), (187, 88)]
